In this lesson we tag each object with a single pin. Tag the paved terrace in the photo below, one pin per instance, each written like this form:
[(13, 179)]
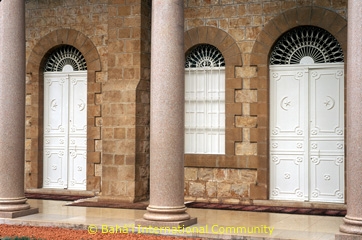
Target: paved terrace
[(212, 224)]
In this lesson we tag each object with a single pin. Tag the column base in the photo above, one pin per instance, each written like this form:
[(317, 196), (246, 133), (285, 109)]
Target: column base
[(162, 216), (166, 213), (21, 213), (15, 207), (344, 236), (13, 204), (351, 225), (171, 224)]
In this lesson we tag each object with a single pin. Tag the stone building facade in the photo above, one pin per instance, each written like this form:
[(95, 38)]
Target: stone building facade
[(114, 38)]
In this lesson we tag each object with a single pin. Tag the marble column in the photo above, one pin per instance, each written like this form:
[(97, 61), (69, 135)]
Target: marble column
[(353, 219), (12, 109), (166, 206)]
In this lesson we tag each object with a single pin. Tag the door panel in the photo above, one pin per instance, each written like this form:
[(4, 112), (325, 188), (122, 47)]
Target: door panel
[(288, 129), (307, 123), (327, 134), (55, 131), (327, 178), (288, 103), (77, 131), (327, 102), (78, 104), (77, 170), (288, 180)]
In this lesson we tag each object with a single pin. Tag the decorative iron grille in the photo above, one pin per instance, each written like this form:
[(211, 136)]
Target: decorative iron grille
[(306, 42), (65, 55), (204, 55)]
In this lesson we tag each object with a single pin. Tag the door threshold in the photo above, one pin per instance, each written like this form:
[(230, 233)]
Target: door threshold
[(286, 203), (61, 192)]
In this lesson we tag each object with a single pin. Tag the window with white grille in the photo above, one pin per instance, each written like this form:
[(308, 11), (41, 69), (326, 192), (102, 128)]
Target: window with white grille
[(205, 101)]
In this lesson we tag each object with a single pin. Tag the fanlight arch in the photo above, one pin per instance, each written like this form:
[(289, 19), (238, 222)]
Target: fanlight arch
[(306, 45), (204, 55), (65, 57)]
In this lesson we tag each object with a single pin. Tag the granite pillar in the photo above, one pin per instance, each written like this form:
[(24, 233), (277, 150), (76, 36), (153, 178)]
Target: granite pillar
[(12, 109), (166, 206), (353, 219)]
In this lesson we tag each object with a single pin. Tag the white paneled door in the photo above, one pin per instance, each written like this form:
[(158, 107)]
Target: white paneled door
[(65, 130), (307, 132)]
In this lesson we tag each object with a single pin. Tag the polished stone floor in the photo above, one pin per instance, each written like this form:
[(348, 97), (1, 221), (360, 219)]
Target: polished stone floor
[(217, 224)]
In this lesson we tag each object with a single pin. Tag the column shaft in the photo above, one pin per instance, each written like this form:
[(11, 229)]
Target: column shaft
[(167, 113), (12, 105), (353, 219)]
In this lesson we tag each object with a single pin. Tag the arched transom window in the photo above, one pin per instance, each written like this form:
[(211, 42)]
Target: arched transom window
[(65, 58), (306, 45), (204, 101)]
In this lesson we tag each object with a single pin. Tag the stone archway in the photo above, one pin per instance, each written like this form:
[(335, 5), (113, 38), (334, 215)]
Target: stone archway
[(240, 160), (313, 16), (34, 105), (232, 55)]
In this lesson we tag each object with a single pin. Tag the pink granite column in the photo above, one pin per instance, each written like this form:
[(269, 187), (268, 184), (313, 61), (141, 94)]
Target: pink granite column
[(12, 109), (353, 220), (167, 117)]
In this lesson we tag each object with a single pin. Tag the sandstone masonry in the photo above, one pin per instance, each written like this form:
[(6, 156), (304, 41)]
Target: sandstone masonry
[(114, 37)]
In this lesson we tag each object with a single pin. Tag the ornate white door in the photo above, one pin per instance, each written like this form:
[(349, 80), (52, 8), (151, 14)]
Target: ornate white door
[(65, 130), (307, 132)]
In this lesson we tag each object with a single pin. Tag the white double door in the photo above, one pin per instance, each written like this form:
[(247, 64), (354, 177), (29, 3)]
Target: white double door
[(65, 130), (307, 132)]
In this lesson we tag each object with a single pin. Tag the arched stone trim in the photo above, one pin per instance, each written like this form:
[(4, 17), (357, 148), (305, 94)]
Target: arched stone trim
[(60, 37), (276, 27), (233, 59), (34, 104), (314, 16), (218, 38)]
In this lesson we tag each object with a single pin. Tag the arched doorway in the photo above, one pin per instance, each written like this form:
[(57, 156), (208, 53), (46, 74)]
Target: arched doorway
[(307, 117), (65, 120)]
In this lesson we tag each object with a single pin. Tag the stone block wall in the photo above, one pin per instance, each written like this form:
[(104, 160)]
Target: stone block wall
[(125, 120), (226, 185)]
